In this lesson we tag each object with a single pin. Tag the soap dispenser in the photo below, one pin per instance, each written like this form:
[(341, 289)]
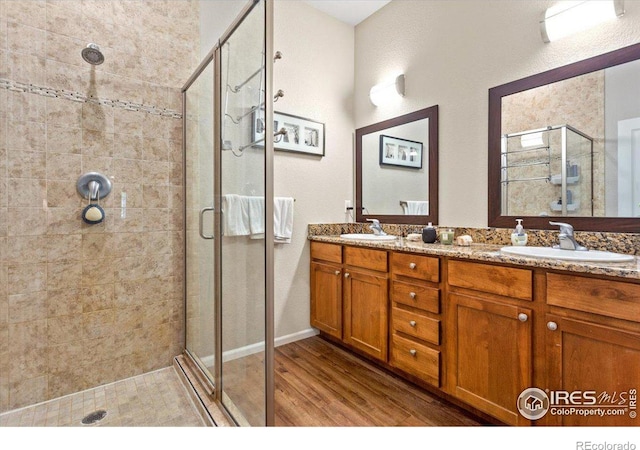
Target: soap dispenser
[(519, 237), (429, 234)]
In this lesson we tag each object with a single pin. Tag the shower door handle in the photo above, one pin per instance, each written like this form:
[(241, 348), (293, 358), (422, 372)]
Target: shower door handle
[(202, 211)]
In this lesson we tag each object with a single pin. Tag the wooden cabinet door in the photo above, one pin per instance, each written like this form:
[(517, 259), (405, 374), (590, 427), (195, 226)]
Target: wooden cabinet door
[(326, 298), (493, 355), (366, 313), (584, 356)]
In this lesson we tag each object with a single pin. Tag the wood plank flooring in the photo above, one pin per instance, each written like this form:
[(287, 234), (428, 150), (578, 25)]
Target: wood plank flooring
[(320, 384)]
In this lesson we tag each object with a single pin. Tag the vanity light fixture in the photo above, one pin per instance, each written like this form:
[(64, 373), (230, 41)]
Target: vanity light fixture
[(569, 17), (385, 91)]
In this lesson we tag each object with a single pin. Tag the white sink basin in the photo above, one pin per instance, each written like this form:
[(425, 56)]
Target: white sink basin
[(368, 237), (566, 255)]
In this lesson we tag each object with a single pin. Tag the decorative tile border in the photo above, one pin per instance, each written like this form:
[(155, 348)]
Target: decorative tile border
[(15, 86)]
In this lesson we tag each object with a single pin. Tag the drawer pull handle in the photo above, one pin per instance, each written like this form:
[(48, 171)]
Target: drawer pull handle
[(412, 294), (346, 275), (337, 272), (522, 317), (412, 266), (412, 323), (552, 326), (413, 352)]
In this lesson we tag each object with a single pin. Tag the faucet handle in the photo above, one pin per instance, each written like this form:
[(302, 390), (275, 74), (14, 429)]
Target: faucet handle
[(564, 227), (375, 221)]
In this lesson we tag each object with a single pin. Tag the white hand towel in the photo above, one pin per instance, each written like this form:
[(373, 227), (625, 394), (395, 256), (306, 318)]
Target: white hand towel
[(256, 217), (235, 215), (417, 208), (283, 219)]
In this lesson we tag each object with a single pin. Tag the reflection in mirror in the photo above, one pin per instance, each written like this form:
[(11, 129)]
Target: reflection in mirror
[(395, 179), (396, 169), (565, 143)]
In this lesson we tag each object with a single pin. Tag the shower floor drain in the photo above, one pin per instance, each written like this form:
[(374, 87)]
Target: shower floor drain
[(94, 417)]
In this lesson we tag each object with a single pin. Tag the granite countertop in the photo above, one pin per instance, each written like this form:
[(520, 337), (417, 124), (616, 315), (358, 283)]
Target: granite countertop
[(491, 253)]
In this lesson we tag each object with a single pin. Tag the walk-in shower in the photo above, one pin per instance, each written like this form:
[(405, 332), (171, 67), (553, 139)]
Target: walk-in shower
[(229, 277)]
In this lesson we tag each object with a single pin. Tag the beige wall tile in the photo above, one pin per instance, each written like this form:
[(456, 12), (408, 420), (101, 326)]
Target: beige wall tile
[(22, 249), (25, 278), (22, 38), (26, 136), (26, 192), (64, 302), (64, 166), (26, 221), (30, 12), (64, 194), (27, 391), (62, 139), (98, 324), (127, 146), (26, 164), (64, 113), (61, 274), (64, 329), (97, 298), (27, 307)]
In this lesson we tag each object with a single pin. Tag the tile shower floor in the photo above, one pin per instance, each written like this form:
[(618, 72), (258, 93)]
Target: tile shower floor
[(155, 399)]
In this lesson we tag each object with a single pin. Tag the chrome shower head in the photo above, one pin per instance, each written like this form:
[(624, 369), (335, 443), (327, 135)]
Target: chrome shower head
[(92, 54)]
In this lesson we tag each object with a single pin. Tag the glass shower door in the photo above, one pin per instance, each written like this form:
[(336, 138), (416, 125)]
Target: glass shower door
[(244, 212), (199, 194)]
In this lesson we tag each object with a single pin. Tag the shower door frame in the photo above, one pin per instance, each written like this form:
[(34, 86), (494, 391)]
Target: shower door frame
[(215, 56)]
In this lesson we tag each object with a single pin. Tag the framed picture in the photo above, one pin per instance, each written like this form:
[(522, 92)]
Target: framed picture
[(300, 135), (400, 152)]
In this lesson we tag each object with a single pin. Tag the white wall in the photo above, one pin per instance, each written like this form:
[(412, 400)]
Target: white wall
[(452, 52), (316, 74)]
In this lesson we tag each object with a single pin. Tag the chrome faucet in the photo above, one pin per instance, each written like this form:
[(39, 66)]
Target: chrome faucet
[(567, 241), (375, 226)]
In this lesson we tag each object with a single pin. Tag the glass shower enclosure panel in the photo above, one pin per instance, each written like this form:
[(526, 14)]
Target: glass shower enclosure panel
[(199, 242), (243, 224)]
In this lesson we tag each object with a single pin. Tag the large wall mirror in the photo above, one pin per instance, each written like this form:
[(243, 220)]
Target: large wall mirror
[(397, 169), (564, 145)]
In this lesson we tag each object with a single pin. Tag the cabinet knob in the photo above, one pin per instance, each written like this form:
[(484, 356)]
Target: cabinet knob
[(337, 272), (412, 294), (522, 317), (412, 323), (552, 326), (413, 352), (346, 275), (412, 265)]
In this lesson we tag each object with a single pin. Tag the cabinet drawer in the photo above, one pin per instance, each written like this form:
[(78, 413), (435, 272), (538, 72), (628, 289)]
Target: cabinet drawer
[(415, 266), (506, 281), (416, 325), (605, 297), (417, 296), (366, 258), (326, 252), (416, 359)]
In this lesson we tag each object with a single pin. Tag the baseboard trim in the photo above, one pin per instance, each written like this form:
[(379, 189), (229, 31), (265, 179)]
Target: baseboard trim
[(251, 349)]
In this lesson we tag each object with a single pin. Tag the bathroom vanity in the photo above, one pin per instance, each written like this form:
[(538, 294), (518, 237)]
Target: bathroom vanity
[(479, 327)]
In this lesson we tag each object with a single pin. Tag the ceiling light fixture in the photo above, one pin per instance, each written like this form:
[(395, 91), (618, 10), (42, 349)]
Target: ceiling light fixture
[(569, 17), (383, 92)]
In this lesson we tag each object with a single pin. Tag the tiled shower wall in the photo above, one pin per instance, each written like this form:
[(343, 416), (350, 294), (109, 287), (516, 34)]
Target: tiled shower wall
[(83, 305)]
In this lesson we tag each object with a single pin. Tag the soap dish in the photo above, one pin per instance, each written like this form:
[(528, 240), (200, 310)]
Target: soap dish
[(414, 237)]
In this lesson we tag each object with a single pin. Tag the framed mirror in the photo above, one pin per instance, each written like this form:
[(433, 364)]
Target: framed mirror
[(397, 169), (564, 145)]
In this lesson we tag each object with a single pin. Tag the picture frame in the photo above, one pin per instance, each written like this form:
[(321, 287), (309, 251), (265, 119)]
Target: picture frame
[(303, 135), (400, 152)]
